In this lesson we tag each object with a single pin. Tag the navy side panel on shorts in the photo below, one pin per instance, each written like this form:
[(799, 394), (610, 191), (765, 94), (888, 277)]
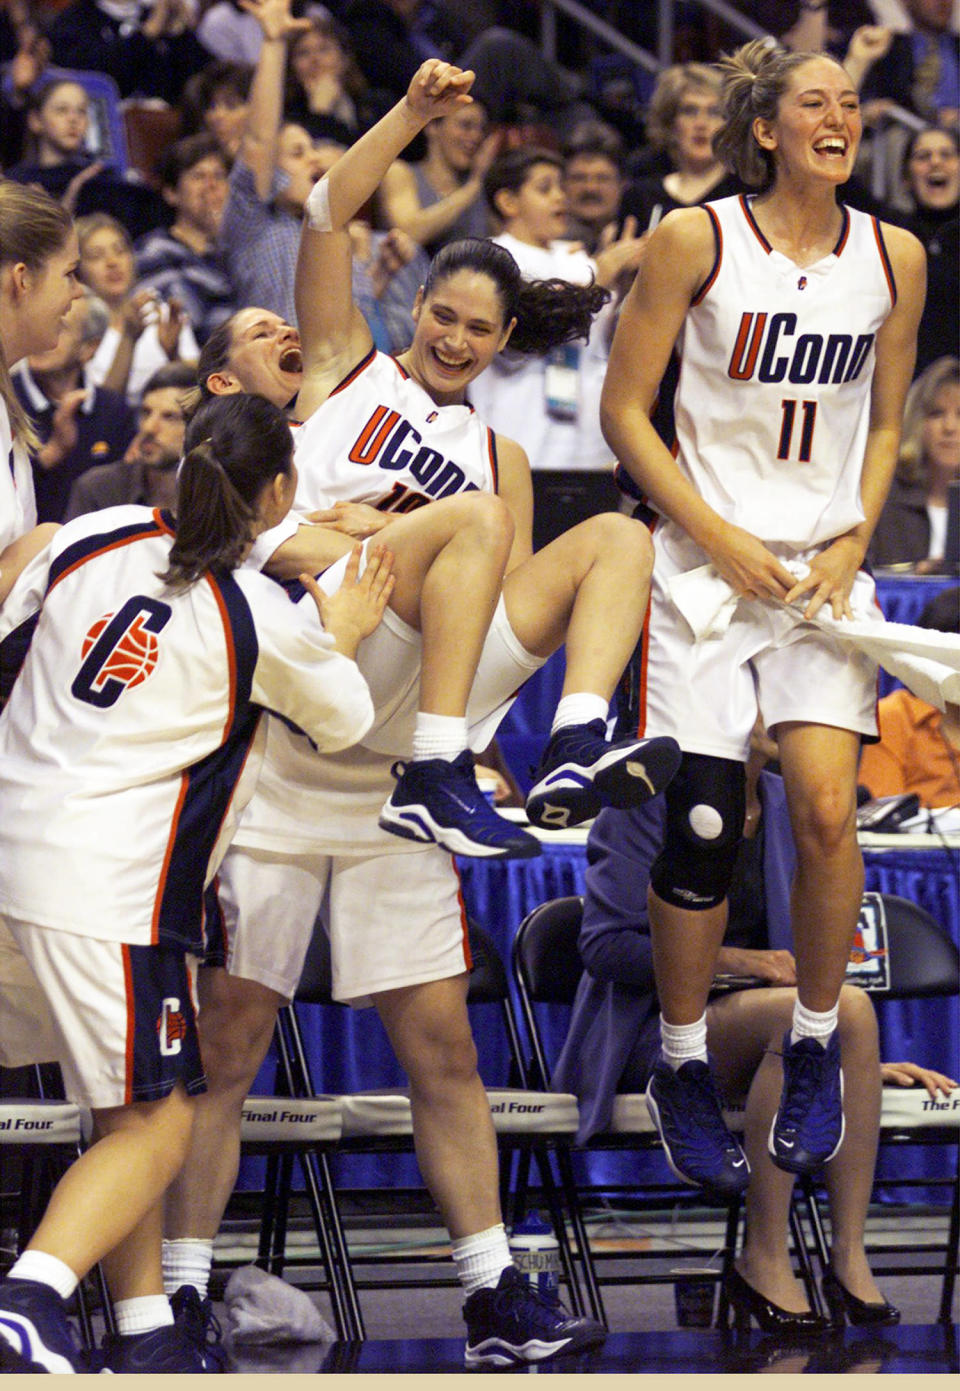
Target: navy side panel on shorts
[(162, 1044)]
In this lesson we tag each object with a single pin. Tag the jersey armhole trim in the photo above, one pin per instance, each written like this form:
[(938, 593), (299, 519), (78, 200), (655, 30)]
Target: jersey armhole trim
[(885, 260), (354, 372), (494, 462), (717, 258)]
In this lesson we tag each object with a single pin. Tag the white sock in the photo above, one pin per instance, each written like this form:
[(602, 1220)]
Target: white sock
[(681, 1042), (438, 736), (482, 1258), (580, 708), (46, 1270), (143, 1314), (807, 1023), (187, 1261)]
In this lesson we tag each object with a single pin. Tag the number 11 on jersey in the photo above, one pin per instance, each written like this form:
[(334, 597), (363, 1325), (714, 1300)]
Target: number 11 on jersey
[(808, 411)]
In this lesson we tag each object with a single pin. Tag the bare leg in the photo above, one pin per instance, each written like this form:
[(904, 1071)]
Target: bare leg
[(589, 589), (685, 947), (744, 1034), (819, 766), (116, 1186), (236, 1022), (453, 1132)]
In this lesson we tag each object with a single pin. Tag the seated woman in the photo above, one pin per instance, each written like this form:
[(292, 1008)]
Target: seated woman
[(613, 1041), (913, 524), (327, 94)]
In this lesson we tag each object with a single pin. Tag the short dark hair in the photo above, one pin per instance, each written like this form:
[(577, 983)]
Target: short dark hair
[(184, 154), (510, 170), (179, 375), (598, 141)]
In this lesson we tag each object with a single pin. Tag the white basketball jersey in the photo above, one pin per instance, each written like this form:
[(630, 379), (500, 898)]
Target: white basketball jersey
[(772, 408), (128, 730), (18, 508), (380, 439)]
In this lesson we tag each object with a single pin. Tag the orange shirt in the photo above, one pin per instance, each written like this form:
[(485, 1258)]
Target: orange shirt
[(912, 755)]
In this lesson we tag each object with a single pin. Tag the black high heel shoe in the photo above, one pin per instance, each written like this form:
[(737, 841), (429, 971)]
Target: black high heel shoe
[(746, 1302), (846, 1306)]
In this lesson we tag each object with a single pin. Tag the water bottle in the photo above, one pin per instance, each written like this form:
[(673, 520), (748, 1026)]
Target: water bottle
[(536, 1254)]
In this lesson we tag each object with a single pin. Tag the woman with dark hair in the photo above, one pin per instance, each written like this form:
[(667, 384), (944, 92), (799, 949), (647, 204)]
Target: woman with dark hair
[(216, 100), (798, 319), (327, 93), (122, 756), (383, 436), (932, 170)]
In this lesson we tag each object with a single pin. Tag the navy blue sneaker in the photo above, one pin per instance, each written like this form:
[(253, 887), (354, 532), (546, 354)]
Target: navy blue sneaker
[(166, 1349), (199, 1323), (514, 1324), (439, 801), (808, 1127), (580, 772), (34, 1330), (685, 1108)]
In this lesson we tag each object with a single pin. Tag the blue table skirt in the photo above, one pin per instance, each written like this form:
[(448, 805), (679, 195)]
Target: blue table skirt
[(350, 1051)]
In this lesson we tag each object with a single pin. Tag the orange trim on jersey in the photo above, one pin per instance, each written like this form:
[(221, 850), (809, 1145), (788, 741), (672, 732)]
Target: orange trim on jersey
[(884, 259), (161, 524), (131, 1024), (231, 654), (354, 372), (844, 232), (464, 927), (494, 465), (362, 451), (717, 258), (400, 368), (752, 224), (171, 841), (104, 550)]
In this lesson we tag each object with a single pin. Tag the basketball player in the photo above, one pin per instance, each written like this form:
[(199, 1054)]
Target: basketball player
[(124, 758), (797, 321), (380, 432), (38, 284)]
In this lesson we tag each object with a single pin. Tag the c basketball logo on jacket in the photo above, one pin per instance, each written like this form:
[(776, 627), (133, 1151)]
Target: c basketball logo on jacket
[(120, 651)]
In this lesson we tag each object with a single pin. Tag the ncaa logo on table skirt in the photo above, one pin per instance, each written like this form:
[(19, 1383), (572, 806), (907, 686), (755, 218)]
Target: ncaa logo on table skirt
[(120, 650)]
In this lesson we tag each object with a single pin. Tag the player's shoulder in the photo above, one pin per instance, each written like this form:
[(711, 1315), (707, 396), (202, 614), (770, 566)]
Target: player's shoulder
[(105, 523), (903, 247)]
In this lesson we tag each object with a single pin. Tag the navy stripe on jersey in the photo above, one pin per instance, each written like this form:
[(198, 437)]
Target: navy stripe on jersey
[(885, 258), (90, 546), (717, 255), (162, 1044), (208, 786), (354, 372), (13, 653)]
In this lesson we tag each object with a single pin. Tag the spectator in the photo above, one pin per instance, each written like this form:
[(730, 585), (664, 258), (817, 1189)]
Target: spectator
[(932, 166), (388, 269), (183, 262), (913, 523), (919, 748), (233, 35), (326, 92), (217, 100), (613, 1039), (593, 178), (148, 47), (683, 117), (440, 198), (145, 331), (551, 406), (78, 423), (57, 160), (921, 69), (147, 473)]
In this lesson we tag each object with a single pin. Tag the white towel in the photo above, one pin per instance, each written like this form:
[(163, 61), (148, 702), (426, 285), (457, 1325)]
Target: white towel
[(926, 661), (264, 1309)]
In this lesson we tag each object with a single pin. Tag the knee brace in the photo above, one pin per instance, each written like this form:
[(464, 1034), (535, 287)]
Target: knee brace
[(705, 809)]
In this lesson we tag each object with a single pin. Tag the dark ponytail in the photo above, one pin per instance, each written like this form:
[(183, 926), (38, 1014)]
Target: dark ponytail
[(548, 312), (234, 447)]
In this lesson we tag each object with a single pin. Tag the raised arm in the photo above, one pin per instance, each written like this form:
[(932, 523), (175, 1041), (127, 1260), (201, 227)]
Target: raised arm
[(333, 333), (400, 200), (677, 261), (258, 149)]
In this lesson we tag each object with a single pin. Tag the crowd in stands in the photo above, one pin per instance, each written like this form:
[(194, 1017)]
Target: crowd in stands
[(211, 220)]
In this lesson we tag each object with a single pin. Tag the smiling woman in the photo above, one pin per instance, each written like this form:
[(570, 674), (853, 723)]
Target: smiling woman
[(783, 460)]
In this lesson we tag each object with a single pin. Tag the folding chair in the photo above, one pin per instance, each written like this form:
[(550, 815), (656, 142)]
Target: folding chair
[(379, 1121), (47, 1133), (547, 968), (902, 953)]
